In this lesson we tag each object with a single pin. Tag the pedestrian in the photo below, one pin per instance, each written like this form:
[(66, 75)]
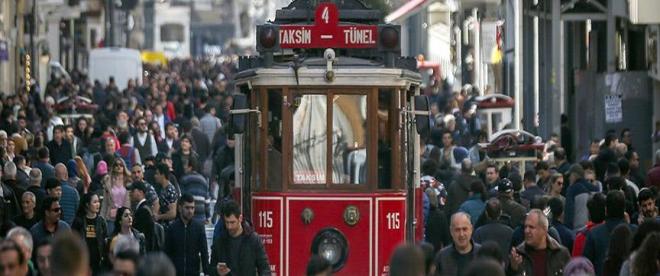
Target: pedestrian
[(647, 207), (577, 195), (494, 230), (532, 191), (93, 229), (238, 250), (484, 267), (167, 195), (69, 256), (43, 251), (474, 205), (182, 156), (406, 260), (196, 184), (653, 175), (43, 164), (648, 257), (185, 241), (598, 239), (645, 229), (618, 251), (126, 262), (59, 148), (28, 218), (156, 263), (579, 266), (154, 234), (36, 189), (514, 210), (144, 141), (539, 254), (596, 209), (70, 197), (115, 195), (123, 230), (556, 220), (12, 207), (12, 260), (50, 223), (23, 239), (453, 259)]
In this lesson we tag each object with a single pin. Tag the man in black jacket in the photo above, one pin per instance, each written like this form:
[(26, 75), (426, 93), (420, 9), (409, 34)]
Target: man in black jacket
[(238, 250), (59, 148), (494, 229), (185, 242), (454, 259)]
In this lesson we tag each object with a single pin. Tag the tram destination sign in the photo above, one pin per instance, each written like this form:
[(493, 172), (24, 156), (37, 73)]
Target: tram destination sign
[(327, 32)]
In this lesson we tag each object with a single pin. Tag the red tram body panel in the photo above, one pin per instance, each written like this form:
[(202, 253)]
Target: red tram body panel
[(278, 218)]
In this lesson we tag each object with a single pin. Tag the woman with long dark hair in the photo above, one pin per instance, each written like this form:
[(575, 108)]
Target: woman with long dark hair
[(648, 257), (124, 230), (619, 249), (93, 229)]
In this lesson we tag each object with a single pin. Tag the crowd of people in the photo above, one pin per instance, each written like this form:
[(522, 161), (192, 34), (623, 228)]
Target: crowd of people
[(131, 173), (595, 214), (122, 184)]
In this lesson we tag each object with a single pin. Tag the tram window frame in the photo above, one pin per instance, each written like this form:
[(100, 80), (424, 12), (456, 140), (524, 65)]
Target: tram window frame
[(370, 95), (393, 131), (272, 106)]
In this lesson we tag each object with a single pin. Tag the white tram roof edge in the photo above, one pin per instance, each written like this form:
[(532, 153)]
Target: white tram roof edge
[(358, 76)]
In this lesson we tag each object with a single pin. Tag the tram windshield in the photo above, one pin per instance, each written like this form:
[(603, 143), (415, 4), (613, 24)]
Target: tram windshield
[(345, 139)]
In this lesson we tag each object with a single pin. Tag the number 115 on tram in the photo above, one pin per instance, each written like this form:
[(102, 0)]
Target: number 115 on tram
[(326, 121)]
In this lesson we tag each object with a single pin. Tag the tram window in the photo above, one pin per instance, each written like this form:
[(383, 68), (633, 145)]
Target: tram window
[(310, 139), (349, 147), (385, 121), (274, 143)]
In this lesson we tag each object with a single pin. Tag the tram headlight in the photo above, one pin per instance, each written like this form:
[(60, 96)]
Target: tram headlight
[(331, 244), (389, 37), (267, 37)]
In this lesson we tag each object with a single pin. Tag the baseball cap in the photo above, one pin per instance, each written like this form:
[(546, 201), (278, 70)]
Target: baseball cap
[(138, 185), (505, 186)]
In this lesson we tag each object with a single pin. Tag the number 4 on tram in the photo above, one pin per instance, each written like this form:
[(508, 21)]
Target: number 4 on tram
[(326, 121)]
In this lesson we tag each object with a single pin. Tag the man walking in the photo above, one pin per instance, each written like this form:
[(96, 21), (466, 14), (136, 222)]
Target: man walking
[(453, 259), (539, 254), (185, 243), (238, 249)]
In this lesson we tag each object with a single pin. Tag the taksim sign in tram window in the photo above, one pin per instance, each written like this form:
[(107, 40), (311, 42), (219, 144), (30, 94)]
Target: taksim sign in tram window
[(327, 33)]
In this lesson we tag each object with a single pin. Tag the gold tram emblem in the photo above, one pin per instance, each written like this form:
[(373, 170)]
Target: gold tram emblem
[(351, 215)]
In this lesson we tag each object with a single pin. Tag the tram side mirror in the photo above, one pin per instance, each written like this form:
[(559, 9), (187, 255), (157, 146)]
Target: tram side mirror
[(422, 114), (239, 119)]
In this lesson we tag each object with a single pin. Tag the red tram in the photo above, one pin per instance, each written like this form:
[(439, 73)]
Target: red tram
[(328, 117)]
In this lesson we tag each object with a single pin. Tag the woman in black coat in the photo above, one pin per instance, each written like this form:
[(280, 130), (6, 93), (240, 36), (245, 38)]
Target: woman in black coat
[(93, 229)]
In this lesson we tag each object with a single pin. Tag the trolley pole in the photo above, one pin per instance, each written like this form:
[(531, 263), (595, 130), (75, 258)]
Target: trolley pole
[(517, 64)]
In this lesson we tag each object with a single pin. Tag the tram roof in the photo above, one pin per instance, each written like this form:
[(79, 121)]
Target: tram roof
[(349, 71)]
